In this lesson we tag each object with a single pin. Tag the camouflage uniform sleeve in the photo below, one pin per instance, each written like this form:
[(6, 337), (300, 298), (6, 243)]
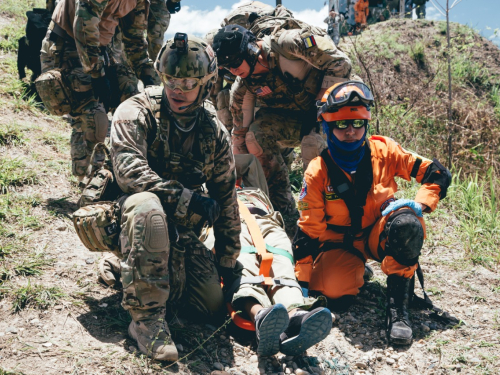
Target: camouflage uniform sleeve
[(136, 46), (86, 30), (129, 134), (238, 92), (317, 50), (221, 187)]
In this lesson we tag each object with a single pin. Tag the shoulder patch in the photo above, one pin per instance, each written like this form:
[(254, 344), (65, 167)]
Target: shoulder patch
[(302, 206), (303, 191), (309, 41), (263, 91)]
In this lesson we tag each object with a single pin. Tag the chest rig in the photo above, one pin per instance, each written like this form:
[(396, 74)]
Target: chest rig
[(192, 162), (288, 92)]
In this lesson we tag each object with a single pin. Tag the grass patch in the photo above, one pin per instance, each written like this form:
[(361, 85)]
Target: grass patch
[(36, 296), (417, 53), (16, 8), (478, 209), (11, 135), (13, 172)]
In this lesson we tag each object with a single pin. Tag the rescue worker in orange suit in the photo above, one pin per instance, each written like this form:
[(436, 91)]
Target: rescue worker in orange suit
[(348, 212), (361, 13)]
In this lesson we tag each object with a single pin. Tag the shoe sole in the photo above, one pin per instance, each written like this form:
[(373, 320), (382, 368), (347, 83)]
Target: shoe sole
[(400, 341), (273, 325), (313, 330)]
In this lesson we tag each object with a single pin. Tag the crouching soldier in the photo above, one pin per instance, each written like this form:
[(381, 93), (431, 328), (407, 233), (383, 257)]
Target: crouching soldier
[(173, 161), (348, 212), (268, 292)]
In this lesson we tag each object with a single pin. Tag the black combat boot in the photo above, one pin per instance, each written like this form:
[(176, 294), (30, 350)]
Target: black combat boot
[(398, 325)]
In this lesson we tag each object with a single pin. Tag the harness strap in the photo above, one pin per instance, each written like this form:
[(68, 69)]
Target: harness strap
[(426, 303), (266, 259)]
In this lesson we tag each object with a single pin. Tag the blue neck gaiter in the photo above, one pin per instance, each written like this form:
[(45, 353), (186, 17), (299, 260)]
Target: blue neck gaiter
[(346, 155)]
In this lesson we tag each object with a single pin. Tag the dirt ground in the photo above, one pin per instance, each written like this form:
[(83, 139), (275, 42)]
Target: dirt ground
[(84, 329)]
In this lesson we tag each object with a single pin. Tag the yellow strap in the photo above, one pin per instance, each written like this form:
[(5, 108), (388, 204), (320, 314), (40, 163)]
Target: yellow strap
[(266, 258)]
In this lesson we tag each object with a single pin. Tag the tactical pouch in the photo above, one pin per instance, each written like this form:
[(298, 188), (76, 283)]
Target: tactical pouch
[(54, 92), (97, 226), (101, 185)]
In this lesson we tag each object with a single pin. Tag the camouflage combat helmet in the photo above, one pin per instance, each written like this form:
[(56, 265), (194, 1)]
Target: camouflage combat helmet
[(240, 16), (188, 57)]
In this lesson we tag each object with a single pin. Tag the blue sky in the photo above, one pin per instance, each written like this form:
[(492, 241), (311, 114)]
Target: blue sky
[(198, 17)]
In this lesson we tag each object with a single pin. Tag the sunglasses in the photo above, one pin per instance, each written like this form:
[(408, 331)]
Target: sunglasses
[(184, 84), (344, 124)]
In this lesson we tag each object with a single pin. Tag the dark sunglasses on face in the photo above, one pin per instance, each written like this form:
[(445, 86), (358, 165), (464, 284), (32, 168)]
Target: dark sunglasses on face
[(344, 124)]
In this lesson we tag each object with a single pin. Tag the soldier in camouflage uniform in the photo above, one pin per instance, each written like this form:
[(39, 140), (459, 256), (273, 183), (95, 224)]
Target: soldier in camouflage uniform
[(285, 71), (77, 42), (174, 162)]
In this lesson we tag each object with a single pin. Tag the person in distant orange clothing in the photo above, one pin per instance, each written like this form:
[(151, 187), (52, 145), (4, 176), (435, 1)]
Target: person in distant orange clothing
[(348, 212), (361, 13)]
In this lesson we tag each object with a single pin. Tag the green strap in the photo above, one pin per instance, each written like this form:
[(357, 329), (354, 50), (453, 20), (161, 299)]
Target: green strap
[(274, 250)]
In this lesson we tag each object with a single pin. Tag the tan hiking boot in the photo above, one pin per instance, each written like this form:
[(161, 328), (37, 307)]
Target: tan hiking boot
[(109, 269), (153, 336)]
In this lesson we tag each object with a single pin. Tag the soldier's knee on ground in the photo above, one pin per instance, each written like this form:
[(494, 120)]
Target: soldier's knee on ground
[(252, 145), (405, 237)]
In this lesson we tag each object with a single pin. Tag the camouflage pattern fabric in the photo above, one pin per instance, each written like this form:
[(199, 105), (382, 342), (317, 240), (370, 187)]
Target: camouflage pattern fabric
[(146, 248), (239, 16), (87, 25), (158, 21), (287, 113), (148, 154), (90, 122)]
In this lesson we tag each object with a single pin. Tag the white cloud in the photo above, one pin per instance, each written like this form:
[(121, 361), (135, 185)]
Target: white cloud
[(200, 22), (431, 13)]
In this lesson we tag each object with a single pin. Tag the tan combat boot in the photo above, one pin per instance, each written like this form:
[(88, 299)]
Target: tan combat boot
[(152, 335), (109, 269)]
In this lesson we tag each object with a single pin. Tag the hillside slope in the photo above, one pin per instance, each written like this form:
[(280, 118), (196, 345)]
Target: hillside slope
[(408, 72), (55, 318)]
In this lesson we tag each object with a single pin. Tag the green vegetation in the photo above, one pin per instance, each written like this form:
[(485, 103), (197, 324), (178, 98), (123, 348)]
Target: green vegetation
[(11, 135), (36, 296), (13, 172)]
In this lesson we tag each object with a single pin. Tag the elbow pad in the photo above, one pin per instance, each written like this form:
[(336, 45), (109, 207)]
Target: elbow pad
[(303, 245), (437, 174)]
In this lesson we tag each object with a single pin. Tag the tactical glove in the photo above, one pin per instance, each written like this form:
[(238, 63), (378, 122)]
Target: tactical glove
[(303, 245), (102, 90), (393, 206), (173, 7), (207, 208)]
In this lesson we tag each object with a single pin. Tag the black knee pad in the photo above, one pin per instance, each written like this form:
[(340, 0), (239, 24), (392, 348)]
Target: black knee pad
[(405, 237)]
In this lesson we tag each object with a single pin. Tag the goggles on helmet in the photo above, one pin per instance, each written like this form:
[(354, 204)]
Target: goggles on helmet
[(344, 124), (184, 84), (347, 93)]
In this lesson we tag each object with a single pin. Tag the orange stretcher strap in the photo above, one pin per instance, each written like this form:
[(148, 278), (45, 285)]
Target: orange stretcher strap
[(266, 258)]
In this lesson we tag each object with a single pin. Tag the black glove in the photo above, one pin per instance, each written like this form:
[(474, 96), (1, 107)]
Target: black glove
[(148, 81), (102, 90), (207, 208), (173, 7), (303, 245), (230, 275)]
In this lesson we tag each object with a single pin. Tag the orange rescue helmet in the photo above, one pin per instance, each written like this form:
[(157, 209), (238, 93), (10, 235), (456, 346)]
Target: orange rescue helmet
[(349, 100)]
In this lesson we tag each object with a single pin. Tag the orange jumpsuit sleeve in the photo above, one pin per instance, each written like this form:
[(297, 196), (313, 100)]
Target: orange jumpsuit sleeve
[(404, 162), (312, 199)]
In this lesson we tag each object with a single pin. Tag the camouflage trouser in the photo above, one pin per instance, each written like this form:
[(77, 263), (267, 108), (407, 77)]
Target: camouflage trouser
[(90, 121), (158, 21), (149, 277), (272, 132)]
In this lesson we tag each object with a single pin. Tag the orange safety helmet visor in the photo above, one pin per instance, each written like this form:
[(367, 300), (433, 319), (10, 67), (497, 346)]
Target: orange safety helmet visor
[(344, 100)]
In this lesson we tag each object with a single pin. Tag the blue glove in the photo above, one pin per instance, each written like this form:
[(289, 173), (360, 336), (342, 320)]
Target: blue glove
[(396, 205)]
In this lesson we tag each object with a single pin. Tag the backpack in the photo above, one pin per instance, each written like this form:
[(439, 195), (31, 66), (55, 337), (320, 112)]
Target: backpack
[(28, 55)]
